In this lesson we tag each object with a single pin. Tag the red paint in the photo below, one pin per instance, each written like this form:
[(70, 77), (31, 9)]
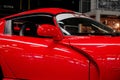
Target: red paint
[(46, 29), (58, 58)]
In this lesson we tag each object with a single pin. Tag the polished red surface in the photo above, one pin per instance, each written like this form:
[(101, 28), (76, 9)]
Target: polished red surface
[(46, 29), (42, 10), (105, 51), (58, 58)]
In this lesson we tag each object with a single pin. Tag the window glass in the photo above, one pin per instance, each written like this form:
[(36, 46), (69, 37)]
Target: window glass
[(27, 26), (76, 24)]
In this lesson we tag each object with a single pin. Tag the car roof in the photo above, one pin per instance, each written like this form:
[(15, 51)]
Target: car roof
[(53, 11)]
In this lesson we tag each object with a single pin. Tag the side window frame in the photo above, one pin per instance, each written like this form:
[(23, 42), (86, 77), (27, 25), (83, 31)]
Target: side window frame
[(8, 27), (9, 23)]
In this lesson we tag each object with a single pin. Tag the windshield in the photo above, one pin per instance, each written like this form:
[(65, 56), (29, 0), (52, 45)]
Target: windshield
[(76, 24)]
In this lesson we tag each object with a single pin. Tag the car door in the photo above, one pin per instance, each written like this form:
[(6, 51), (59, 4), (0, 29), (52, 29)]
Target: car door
[(23, 51), (29, 56)]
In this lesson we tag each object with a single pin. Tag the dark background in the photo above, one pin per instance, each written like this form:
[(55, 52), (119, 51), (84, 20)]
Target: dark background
[(8, 7)]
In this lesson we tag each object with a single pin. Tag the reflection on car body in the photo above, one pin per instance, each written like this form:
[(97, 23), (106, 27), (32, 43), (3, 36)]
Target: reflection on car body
[(57, 44)]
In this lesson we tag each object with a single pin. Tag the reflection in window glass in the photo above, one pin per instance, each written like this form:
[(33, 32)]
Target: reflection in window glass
[(74, 24)]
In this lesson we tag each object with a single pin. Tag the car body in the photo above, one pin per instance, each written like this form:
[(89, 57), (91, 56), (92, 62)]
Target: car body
[(57, 44)]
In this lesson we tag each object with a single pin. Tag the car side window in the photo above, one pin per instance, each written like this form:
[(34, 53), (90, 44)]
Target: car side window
[(80, 26), (27, 25)]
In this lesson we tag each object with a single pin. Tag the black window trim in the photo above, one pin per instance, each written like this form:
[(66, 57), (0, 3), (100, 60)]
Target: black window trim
[(30, 15)]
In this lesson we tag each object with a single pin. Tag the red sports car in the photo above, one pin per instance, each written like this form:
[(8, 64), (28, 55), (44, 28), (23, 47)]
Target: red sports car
[(57, 44)]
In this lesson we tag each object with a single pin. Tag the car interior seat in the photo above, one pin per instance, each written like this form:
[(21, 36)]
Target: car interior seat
[(28, 29), (16, 29)]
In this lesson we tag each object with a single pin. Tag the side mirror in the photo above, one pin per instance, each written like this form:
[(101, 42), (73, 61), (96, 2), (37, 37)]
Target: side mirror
[(48, 30)]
